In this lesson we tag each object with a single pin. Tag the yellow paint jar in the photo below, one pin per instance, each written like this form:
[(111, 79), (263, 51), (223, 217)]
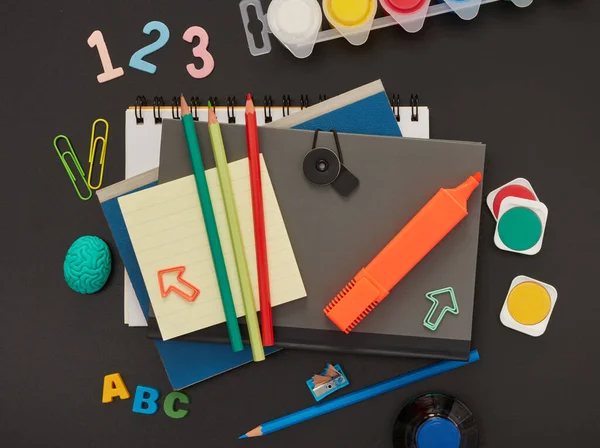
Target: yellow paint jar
[(352, 18)]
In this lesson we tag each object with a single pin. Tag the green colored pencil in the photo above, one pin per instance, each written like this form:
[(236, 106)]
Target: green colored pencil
[(211, 227), (216, 139)]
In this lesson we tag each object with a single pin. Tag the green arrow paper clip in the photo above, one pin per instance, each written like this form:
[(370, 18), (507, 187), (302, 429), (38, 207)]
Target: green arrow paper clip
[(447, 309)]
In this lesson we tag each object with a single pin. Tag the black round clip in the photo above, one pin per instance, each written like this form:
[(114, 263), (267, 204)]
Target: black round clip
[(322, 166)]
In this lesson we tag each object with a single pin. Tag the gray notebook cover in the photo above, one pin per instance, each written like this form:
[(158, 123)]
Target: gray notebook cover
[(334, 237)]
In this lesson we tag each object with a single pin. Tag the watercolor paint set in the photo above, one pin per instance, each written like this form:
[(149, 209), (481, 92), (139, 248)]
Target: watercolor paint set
[(297, 23)]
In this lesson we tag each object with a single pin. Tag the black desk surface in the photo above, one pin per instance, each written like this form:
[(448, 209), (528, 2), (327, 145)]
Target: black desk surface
[(523, 81)]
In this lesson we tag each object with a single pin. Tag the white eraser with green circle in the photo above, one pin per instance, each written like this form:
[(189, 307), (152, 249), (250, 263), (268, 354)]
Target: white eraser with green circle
[(521, 226), (528, 305)]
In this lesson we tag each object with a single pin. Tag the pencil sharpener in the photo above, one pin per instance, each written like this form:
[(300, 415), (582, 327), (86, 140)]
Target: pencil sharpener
[(321, 389)]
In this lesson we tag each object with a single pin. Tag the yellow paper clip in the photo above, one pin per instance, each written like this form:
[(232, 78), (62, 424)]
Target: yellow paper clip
[(71, 152), (93, 144)]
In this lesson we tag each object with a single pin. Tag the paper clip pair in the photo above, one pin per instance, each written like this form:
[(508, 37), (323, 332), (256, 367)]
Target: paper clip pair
[(94, 141)]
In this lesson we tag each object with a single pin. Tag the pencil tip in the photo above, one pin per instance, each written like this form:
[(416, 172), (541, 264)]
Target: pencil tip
[(243, 437), (212, 117), (249, 104), (209, 103), (185, 109), (256, 432)]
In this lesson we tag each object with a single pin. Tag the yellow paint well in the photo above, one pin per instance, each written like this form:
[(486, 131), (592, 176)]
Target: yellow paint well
[(529, 303)]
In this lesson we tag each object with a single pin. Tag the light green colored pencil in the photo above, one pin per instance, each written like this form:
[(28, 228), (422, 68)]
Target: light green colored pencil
[(216, 140)]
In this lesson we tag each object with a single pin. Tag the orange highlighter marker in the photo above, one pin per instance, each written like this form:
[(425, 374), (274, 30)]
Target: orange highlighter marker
[(427, 228)]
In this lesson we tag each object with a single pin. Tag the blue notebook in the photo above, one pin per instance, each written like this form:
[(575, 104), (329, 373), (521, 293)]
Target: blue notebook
[(110, 206), (365, 110), (188, 363), (185, 363)]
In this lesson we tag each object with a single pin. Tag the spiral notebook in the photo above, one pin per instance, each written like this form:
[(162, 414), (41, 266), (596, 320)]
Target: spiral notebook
[(143, 127)]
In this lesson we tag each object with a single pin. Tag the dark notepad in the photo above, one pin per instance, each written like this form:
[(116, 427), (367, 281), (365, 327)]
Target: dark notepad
[(334, 237)]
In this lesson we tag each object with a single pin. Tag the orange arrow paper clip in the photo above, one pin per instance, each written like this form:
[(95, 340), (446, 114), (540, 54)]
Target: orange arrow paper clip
[(164, 292)]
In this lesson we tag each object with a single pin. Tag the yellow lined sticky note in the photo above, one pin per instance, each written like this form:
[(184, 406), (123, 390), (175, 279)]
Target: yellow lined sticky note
[(166, 228)]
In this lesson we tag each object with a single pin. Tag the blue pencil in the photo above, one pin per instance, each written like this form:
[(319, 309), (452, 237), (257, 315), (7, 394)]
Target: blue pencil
[(358, 396)]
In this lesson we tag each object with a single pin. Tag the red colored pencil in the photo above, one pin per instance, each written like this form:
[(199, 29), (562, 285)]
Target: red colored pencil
[(258, 212)]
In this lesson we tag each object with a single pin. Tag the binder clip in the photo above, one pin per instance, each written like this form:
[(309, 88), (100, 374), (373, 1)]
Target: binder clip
[(332, 379), (322, 166)]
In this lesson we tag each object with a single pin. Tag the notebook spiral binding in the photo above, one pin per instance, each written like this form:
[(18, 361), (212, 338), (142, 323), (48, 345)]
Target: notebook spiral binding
[(158, 104)]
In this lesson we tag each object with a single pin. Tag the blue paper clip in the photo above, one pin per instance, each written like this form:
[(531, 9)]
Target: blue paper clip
[(331, 380), (71, 153)]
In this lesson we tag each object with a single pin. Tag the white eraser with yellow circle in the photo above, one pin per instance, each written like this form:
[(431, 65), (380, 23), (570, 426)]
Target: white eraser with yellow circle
[(528, 305)]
